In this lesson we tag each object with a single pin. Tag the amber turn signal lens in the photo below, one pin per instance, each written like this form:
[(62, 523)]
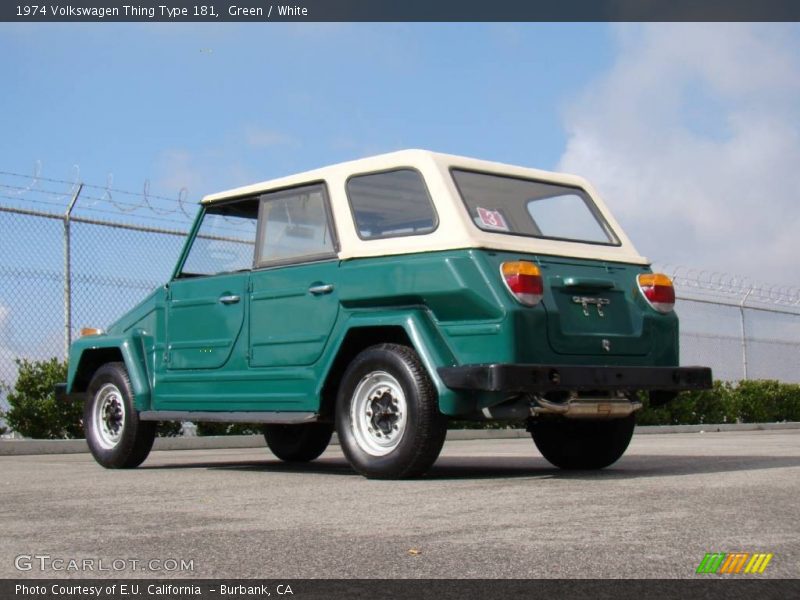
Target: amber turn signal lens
[(524, 280), (91, 331), (658, 290)]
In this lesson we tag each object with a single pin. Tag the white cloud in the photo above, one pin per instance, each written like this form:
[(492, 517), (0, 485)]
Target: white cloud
[(693, 138), (200, 172), (260, 137), (178, 168)]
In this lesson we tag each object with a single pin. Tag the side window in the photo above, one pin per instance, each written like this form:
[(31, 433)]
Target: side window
[(225, 241), (295, 226), (391, 204)]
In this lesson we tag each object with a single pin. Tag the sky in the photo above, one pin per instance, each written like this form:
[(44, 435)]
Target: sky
[(690, 132)]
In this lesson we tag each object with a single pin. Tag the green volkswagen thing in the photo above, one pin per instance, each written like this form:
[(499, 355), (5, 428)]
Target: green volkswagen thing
[(381, 297)]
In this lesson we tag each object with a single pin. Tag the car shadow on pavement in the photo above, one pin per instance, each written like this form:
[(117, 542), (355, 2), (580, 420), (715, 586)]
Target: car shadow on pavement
[(631, 467), (502, 467), (327, 466)]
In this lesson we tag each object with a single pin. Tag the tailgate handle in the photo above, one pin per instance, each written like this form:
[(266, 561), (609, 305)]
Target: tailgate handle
[(588, 283)]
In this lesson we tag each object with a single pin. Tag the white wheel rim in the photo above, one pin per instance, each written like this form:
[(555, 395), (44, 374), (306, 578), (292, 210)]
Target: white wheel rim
[(108, 416), (378, 413)]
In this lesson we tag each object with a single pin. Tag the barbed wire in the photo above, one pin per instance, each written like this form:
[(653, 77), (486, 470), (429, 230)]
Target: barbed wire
[(129, 203), (109, 200), (698, 281)]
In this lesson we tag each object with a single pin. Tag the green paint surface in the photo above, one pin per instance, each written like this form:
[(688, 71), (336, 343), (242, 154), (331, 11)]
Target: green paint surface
[(274, 348)]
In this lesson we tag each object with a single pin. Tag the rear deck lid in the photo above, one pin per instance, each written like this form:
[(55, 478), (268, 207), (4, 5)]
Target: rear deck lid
[(591, 309)]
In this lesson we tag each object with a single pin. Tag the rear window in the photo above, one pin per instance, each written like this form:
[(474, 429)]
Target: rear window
[(391, 204), (526, 207)]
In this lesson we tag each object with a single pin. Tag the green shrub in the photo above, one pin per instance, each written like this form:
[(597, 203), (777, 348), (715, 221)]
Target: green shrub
[(751, 401), (229, 429), (756, 400), (459, 424), (651, 415), (169, 429), (682, 410), (789, 408), (34, 411), (716, 405)]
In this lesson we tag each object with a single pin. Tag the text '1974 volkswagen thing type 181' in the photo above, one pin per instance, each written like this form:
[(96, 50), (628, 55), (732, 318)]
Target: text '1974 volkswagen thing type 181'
[(380, 298)]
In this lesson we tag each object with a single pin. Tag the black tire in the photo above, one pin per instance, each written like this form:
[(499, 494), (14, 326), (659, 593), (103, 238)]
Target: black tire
[(575, 444), (387, 414), (298, 443), (116, 436)]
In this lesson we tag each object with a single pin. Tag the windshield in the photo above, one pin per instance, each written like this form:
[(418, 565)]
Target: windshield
[(225, 240), (516, 206)]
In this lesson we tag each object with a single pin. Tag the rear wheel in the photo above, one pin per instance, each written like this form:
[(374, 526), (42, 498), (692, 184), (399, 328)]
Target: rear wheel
[(387, 414), (298, 443), (578, 444), (116, 437)]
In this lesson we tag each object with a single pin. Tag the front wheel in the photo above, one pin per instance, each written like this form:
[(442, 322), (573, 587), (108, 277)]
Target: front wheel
[(298, 443), (387, 414), (117, 438), (576, 444)]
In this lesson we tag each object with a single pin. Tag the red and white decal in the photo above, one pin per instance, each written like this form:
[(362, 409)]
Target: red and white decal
[(492, 219)]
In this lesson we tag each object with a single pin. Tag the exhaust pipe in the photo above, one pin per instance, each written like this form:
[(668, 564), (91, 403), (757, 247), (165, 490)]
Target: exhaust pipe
[(585, 408), (575, 407)]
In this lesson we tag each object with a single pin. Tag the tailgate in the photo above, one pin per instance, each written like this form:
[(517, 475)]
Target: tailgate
[(592, 310)]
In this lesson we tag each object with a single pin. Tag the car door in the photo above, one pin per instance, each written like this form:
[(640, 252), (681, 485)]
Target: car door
[(204, 345), (293, 297), (204, 320)]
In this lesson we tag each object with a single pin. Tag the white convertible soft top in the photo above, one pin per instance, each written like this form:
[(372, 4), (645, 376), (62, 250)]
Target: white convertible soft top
[(456, 229)]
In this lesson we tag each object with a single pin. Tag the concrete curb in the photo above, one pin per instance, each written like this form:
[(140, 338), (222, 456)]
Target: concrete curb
[(716, 427), (26, 447)]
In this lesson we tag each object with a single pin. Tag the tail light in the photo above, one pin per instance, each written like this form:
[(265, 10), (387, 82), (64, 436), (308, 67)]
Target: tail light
[(524, 280), (657, 290)]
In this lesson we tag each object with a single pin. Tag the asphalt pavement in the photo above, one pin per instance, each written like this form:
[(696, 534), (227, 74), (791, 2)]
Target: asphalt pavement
[(489, 508)]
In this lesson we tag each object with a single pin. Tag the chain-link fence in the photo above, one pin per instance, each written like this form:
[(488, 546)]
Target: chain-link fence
[(75, 255), (741, 328)]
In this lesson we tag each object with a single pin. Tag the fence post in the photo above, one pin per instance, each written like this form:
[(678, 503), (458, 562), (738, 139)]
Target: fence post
[(744, 337), (68, 272)]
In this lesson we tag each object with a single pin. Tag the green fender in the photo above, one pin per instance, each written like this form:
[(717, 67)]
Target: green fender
[(88, 353), (433, 350)]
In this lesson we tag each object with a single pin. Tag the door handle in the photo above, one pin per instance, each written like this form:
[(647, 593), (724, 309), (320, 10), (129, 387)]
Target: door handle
[(233, 299), (318, 290)]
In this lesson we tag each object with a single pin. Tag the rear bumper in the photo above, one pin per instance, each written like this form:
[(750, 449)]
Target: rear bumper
[(554, 378)]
